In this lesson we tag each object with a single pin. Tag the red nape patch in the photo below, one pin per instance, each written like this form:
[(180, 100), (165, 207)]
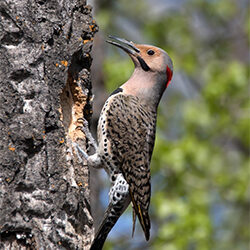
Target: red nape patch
[(169, 75)]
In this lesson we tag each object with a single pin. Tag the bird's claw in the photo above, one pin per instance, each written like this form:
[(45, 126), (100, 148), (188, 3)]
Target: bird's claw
[(83, 121)]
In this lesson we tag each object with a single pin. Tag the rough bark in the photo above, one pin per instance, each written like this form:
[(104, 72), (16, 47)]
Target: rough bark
[(44, 88)]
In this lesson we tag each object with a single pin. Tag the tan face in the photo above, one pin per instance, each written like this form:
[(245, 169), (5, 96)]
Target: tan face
[(156, 58)]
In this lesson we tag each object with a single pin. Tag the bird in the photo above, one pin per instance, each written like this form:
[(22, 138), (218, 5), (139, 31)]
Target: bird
[(126, 135)]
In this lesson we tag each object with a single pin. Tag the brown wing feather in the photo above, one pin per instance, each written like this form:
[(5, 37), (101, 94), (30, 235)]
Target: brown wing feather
[(131, 131)]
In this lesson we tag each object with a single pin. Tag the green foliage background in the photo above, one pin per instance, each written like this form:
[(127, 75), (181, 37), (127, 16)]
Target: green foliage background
[(200, 165)]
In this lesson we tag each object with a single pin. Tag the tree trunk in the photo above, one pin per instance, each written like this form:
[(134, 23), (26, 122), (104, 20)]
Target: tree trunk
[(44, 89)]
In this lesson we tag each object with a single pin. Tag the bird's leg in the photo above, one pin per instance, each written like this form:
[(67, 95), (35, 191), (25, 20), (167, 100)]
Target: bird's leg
[(119, 199), (85, 129), (92, 160), (80, 150)]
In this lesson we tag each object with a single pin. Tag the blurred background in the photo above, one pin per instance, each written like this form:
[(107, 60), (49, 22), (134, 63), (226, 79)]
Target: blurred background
[(200, 165)]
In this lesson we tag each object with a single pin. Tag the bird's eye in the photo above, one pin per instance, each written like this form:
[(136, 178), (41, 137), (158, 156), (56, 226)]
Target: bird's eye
[(150, 52)]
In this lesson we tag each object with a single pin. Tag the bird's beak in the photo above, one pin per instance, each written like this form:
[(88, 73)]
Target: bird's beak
[(124, 44), (130, 48)]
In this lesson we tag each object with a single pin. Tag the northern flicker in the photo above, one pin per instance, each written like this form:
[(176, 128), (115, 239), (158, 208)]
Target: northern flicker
[(126, 135)]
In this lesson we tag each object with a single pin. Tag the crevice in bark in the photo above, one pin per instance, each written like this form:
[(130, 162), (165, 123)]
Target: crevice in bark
[(75, 103)]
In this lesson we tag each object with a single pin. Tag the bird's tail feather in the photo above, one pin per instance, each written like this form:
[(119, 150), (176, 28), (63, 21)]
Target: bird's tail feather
[(145, 222), (143, 217)]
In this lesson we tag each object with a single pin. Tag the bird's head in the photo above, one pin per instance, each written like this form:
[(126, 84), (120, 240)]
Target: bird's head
[(148, 58)]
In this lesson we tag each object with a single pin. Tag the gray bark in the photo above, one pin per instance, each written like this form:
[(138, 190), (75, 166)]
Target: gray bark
[(44, 88)]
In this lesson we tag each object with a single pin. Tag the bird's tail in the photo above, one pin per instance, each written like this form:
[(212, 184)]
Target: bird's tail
[(112, 214), (145, 223), (143, 217)]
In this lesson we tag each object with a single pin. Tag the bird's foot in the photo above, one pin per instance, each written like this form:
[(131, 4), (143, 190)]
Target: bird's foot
[(92, 160)]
